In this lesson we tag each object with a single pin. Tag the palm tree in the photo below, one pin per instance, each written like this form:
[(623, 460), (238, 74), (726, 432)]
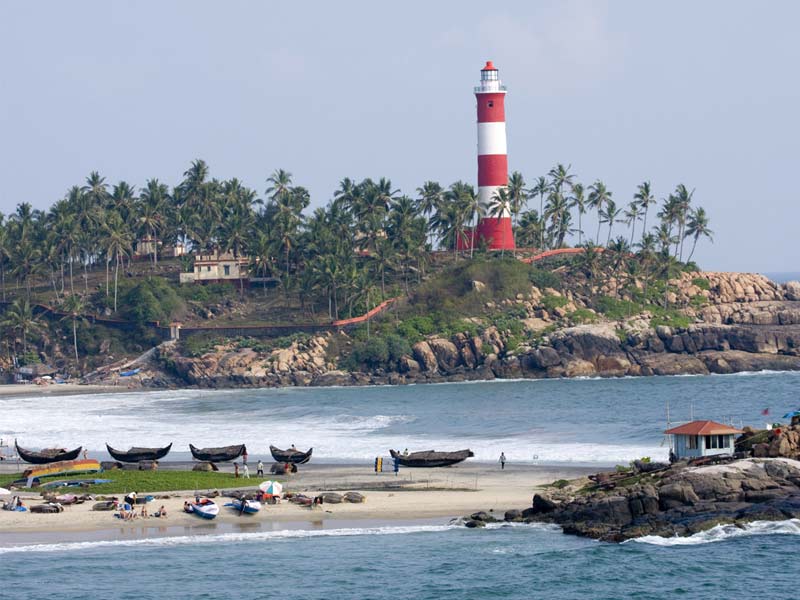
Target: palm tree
[(609, 215), (74, 306), (118, 243), (151, 208), (683, 199), (631, 216), (697, 227), (517, 194), (542, 189), (500, 207), (599, 196), (577, 200), (19, 317), (646, 199), (279, 184), (529, 228)]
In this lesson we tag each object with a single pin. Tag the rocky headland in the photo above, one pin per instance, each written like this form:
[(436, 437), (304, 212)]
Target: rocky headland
[(733, 322), (675, 500)]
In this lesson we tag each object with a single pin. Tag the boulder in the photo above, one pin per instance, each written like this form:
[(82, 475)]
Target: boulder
[(406, 364), (446, 353), (425, 356)]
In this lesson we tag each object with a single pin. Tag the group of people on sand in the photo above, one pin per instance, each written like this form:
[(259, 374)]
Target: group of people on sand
[(14, 504), (127, 510)]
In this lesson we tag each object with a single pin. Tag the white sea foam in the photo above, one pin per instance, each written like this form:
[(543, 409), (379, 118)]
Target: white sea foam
[(721, 533), (224, 538), (260, 419)]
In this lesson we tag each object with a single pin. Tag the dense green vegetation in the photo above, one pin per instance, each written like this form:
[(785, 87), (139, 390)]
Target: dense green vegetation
[(368, 243)]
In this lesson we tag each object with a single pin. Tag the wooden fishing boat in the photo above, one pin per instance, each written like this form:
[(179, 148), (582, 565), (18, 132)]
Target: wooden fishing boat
[(62, 468), (205, 508), (248, 507), (137, 454), (48, 455), (222, 454), (294, 457), (431, 458)]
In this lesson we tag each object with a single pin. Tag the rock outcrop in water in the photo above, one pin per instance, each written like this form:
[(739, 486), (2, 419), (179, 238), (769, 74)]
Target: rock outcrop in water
[(677, 501)]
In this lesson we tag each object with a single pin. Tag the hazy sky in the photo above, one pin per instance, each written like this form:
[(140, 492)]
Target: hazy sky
[(704, 93)]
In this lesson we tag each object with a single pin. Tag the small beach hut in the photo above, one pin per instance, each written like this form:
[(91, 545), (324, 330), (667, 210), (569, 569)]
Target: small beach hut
[(701, 438)]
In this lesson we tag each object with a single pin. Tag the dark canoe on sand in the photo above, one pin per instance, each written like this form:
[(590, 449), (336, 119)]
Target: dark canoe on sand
[(48, 455), (138, 454), (430, 458), (222, 454), (294, 457)]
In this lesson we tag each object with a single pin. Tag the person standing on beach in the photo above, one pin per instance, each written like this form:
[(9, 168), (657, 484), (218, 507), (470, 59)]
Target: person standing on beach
[(244, 457), (236, 470), (85, 454), (245, 471), (260, 468), (502, 461)]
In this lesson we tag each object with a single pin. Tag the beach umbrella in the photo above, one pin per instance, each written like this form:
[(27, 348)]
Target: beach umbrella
[(271, 487), (789, 415)]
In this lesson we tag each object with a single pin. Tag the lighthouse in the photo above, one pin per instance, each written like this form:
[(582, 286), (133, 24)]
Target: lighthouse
[(494, 228)]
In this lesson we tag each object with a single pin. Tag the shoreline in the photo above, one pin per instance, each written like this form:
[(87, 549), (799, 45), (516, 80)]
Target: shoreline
[(415, 495), (13, 390)]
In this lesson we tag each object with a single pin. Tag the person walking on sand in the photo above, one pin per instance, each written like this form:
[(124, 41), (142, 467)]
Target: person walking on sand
[(244, 457), (245, 471), (260, 468), (85, 454), (502, 461)]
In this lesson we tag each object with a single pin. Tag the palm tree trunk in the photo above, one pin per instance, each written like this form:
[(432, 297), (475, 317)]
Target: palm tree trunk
[(71, 279), (644, 224), (580, 229), (75, 338), (694, 245), (108, 260), (116, 280)]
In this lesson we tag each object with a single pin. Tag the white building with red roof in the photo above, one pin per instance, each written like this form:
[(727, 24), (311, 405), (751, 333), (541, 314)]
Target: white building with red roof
[(701, 438)]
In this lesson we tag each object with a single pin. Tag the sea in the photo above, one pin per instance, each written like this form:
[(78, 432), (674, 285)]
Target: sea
[(596, 422)]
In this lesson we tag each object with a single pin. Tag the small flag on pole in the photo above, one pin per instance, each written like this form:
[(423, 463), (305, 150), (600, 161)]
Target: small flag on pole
[(765, 412)]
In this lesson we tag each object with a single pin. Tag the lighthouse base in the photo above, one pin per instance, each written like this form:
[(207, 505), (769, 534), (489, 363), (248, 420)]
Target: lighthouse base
[(494, 233)]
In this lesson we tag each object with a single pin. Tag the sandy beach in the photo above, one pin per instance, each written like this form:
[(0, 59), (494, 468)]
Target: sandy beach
[(412, 495)]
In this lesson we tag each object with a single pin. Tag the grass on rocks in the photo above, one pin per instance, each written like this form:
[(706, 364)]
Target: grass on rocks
[(146, 481)]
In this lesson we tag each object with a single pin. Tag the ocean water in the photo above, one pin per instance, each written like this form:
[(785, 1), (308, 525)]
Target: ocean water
[(603, 421), (421, 562), (559, 421), (783, 276)]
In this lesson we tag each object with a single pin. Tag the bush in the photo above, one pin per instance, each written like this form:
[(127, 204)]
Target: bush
[(197, 345), (373, 353), (152, 299), (396, 347), (550, 303), (702, 283), (544, 279), (583, 315)]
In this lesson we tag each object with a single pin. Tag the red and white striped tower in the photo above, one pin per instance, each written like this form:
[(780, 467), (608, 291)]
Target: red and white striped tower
[(492, 159)]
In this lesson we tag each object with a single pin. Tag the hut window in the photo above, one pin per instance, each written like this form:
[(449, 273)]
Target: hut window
[(692, 442), (716, 441)]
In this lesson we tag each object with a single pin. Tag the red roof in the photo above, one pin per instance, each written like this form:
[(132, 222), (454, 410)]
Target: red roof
[(703, 428), (489, 66)]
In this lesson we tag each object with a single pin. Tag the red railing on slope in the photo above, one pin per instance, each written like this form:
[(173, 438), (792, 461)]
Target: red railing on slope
[(556, 252), (368, 315)]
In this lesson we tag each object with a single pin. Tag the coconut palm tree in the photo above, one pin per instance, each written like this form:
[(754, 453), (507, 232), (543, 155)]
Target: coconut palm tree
[(609, 215), (118, 244), (683, 199), (517, 194), (150, 212), (632, 214), (19, 317), (577, 200), (599, 196), (74, 307), (499, 207), (697, 227), (541, 188), (645, 199)]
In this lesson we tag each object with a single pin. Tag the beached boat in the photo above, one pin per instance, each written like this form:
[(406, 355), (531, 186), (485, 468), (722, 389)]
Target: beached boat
[(250, 507), (294, 457), (431, 458), (205, 508), (222, 454), (137, 454), (62, 468), (48, 455)]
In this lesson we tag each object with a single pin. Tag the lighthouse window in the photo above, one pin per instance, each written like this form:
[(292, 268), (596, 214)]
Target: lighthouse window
[(490, 103)]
